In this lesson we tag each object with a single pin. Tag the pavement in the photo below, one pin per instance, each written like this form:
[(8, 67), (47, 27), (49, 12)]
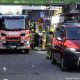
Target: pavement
[(15, 65)]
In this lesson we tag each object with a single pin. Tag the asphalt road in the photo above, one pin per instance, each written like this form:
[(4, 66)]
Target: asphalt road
[(18, 66)]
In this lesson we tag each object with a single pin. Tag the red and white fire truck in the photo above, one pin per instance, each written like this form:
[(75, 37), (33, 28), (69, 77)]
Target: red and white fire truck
[(14, 32)]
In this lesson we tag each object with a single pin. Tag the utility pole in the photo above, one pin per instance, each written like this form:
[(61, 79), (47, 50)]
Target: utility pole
[(50, 3)]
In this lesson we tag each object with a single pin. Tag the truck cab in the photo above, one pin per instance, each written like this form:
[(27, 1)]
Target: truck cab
[(14, 32)]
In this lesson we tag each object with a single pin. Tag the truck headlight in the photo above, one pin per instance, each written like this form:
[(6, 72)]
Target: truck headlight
[(3, 34), (22, 41), (27, 42), (3, 41)]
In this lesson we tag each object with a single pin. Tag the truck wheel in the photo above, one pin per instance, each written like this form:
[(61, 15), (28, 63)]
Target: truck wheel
[(25, 51), (63, 65), (53, 61)]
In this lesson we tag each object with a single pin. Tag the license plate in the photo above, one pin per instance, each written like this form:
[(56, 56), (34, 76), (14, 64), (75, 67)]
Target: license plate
[(12, 47)]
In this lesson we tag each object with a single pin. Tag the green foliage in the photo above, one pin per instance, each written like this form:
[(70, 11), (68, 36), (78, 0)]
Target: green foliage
[(37, 1)]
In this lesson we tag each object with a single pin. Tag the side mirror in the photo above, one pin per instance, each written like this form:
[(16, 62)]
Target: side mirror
[(59, 38)]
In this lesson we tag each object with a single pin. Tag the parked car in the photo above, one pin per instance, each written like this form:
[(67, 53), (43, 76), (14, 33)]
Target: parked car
[(65, 48)]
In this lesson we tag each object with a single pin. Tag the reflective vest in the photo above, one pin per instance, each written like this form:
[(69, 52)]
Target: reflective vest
[(52, 29)]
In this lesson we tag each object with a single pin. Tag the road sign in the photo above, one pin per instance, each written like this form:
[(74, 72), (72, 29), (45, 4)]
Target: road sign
[(42, 15)]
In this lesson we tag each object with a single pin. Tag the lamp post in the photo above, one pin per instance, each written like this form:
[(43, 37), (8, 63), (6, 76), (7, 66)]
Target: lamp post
[(50, 3)]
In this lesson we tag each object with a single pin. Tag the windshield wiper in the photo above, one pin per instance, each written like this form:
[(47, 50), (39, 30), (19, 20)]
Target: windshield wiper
[(16, 29)]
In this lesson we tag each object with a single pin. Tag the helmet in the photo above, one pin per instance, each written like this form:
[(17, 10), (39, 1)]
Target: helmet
[(36, 31), (32, 30)]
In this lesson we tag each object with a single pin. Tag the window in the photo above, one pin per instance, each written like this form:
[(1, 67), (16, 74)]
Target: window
[(59, 32)]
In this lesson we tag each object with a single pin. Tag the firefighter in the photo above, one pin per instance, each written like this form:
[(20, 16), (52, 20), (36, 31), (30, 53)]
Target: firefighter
[(44, 40), (51, 29), (36, 39), (32, 38), (51, 34), (74, 19), (40, 39), (49, 41), (32, 25)]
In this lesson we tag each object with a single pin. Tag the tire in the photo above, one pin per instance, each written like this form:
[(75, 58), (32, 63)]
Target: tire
[(27, 51), (53, 61), (63, 65)]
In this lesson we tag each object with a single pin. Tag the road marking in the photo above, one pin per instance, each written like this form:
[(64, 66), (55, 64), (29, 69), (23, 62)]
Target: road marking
[(4, 68), (74, 78), (5, 79), (33, 65)]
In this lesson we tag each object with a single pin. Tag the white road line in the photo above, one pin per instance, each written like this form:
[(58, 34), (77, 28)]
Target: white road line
[(5, 79), (72, 78), (4, 68), (33, 65)]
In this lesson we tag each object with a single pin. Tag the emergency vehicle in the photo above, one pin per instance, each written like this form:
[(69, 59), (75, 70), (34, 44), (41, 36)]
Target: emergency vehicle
[(14, 32)]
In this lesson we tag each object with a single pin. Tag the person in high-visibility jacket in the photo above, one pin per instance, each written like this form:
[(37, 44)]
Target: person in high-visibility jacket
[(36, 39), (44, 40), (51, 34), (49, 41), (32, 38), (51, 30)]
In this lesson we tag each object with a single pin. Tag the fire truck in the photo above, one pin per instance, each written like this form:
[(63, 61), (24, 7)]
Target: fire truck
[(14, 32)]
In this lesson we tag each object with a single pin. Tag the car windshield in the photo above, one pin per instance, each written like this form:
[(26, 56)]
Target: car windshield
[(73, 33), (14, 24)]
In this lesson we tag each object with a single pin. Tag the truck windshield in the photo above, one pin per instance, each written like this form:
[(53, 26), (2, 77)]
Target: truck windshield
[(14, 24), (73, 33)]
